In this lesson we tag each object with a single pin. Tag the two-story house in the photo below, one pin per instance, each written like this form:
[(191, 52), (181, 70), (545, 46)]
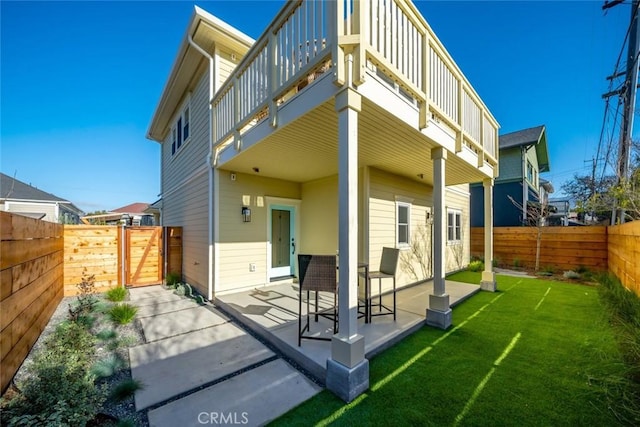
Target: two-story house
[(523, 157), (344, 128)]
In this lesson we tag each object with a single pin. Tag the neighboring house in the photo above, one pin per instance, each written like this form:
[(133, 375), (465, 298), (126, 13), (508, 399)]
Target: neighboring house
[(134, 214), (24, 199), (300, 143), (523, 157), (560, 213)]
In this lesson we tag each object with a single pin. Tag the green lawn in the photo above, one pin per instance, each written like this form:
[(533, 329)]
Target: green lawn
[(535, 353)]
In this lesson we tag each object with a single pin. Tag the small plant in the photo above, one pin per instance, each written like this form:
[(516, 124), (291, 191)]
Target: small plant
[(571, 275), (106, 367), (86, 301), (126, 341), (107, 334), (476, 265), (116, 294), (126, 423), (546, 271), (172, 279), (125, 389), (517, 263), (123, 313)]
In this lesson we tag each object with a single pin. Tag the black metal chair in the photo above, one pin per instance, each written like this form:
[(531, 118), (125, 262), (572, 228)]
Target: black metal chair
[(317, 273), (388, 267)]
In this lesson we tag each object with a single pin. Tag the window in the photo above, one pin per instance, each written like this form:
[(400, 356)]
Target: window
[(530, 172), (402, 220), (454, 226), (181, 131)]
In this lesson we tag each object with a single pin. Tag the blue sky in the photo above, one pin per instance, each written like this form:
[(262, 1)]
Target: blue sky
[(79, 81)]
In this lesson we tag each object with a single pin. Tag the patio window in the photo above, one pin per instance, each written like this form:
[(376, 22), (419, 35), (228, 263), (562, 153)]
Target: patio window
[(403, 214), (454, 226)]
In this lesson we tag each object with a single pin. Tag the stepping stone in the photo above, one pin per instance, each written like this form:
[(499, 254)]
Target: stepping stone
[(165, 307), (170, 367), (179, 322), (252, 398)]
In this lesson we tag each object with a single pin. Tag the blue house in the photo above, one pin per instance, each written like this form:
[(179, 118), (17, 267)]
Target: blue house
[(523, 157)]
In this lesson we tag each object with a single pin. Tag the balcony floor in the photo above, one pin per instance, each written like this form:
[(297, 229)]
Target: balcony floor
[(271, 313)]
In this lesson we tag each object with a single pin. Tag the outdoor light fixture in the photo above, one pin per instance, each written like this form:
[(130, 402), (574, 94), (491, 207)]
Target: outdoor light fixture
[(246, 214)]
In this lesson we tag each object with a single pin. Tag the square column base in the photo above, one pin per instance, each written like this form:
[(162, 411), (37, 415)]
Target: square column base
[(347, 383), (488, 281), (347, 351), (439, 319)]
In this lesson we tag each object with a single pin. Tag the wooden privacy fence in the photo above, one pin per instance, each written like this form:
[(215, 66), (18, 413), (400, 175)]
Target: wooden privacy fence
[(624, 254), (615, 248), (115, 255), (31, 258)]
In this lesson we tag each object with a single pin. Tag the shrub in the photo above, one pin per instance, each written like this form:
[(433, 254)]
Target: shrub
[(125, 389), (108, 366), (86, 301), (106, 334), (59, 391), (116, 294), (517, 263), (172, 279), (123, 313), (476, 265), (571, 275)]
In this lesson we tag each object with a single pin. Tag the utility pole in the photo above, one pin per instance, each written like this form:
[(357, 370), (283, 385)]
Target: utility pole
[(628, 93)]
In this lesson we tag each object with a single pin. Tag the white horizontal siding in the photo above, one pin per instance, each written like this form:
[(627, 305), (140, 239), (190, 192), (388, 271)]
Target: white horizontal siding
[(49, 209), (457, 255), (226, 65)]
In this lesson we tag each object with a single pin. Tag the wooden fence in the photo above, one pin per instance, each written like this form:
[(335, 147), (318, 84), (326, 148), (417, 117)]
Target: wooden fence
[(117, 255), (92, 250), (624, 254), (31, 275), (615, 248)]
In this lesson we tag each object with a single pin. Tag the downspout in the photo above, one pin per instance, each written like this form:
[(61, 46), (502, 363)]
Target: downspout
[(525, 187), (209, 160)]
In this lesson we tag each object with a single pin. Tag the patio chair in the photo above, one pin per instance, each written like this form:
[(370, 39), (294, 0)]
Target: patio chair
[(388, 266), (318, 273)]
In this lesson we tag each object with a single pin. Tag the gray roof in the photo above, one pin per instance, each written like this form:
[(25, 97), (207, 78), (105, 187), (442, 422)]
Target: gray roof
[(521, 137), (13, 189), (535, 136)]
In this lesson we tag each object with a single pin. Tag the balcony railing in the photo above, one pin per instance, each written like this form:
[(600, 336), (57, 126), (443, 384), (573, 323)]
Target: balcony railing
[(309, 37)]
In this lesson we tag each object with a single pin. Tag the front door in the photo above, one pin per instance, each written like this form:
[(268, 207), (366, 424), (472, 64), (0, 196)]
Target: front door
[(283, 244)]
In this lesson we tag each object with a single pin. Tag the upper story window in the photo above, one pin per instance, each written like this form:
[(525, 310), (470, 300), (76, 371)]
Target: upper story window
[(180, 132), (454, 226), (530, 171), (403, 215)]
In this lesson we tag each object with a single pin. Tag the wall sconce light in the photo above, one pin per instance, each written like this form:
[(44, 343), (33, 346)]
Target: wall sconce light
[(246, 214)]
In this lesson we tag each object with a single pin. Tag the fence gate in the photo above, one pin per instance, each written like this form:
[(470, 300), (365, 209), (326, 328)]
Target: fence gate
[(143, 256)]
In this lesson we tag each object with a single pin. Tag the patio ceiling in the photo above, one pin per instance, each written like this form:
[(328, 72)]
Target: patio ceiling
[(307, 149)]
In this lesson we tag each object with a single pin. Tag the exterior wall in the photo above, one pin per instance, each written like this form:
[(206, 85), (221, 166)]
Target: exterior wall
[(457, 254), (244, 243), (49, 209), (532, 157), (185, 188), (384, 190), (319, 219), (226, 65), (510, 164)]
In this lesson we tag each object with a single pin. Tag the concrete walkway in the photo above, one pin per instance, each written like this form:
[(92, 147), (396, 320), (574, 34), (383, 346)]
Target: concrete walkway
[(198, 367)]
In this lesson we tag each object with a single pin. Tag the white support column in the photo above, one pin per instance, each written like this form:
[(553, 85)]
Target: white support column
[(439, 311), (488, 282), (347, 369)]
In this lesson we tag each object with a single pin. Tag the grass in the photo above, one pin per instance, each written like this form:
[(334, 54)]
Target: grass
[(116, 294), (123, 313), (125, 389), (537, 352)]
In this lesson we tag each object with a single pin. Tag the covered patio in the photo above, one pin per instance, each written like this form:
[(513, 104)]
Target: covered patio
[(271, 313)]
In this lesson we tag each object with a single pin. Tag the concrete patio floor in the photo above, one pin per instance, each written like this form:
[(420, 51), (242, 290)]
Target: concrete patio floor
[(271, 312)]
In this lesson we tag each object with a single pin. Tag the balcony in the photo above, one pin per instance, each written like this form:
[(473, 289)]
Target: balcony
[(399, 66)]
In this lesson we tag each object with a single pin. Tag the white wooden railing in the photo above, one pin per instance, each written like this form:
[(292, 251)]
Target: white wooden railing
[(308, 35), (294, 46)]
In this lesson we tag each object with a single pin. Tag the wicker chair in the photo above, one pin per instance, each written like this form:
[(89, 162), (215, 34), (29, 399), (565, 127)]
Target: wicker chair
[(388, 266), (318, 273)]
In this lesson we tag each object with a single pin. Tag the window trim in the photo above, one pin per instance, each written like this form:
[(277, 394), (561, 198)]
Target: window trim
[(407, 205), (181, 122), (457, 226)]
